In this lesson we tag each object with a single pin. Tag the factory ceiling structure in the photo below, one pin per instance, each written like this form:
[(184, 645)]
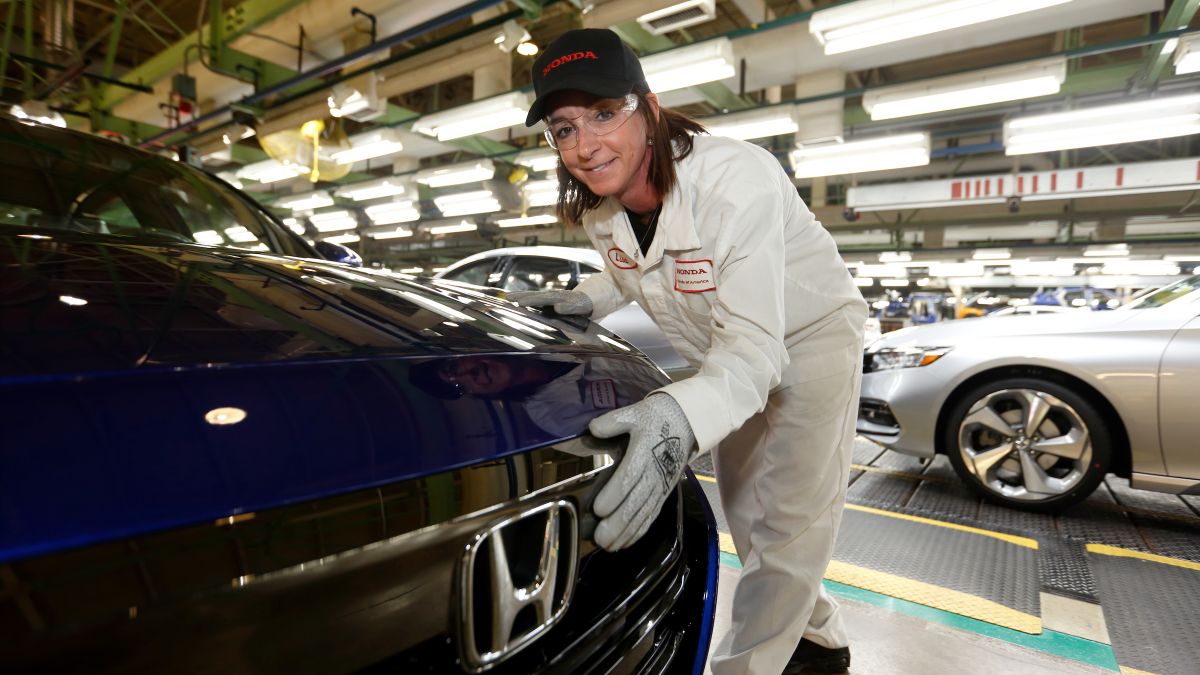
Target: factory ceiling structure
[(397, 127)]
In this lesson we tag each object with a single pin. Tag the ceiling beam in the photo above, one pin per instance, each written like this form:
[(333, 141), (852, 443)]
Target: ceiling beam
[(1179, 16)]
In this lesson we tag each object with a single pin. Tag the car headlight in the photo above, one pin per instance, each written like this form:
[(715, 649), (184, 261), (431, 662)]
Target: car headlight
[(891, 358)]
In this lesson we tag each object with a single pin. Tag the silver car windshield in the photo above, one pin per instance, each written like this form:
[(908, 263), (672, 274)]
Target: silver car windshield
[(1166, 294)]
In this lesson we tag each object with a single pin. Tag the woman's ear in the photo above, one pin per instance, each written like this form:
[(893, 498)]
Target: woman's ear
[(652, 99)]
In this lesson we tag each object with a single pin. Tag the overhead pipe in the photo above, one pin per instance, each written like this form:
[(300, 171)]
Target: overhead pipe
[(332, 66)]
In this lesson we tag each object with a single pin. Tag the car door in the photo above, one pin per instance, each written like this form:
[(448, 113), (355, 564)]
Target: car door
[(1179, 390), (486, 272)]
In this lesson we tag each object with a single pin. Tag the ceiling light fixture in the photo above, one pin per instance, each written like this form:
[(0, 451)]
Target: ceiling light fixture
[(968, 90), (464, 226), (761, 123), (1187, 55), (1165, 117), (537, 160), (876, 154), (333, 221), (510, 36), (522, 221), (1106, 250), (467, 203), (679, 15), (306, 201), (369, 145), (394, 212), (688, 66), (540, 192), (375, 189), (270, 171), (457, 174), (391, 233), (870, 23), (343, 239), (992, 254), (489, 114)]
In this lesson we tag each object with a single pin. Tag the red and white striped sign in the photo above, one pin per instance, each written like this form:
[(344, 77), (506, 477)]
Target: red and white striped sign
[(1095, 181)]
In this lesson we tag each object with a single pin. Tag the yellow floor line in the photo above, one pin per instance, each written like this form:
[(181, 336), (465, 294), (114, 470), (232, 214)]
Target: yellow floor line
[(920, 592), (1126, 670), (1010, 538), (1105, 549), (930, 595)]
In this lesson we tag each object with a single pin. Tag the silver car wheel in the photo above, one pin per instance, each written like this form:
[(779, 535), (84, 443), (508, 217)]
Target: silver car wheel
[(1025, 444)]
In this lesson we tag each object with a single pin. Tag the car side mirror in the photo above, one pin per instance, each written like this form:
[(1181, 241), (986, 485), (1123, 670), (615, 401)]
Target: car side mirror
[(339, 253)]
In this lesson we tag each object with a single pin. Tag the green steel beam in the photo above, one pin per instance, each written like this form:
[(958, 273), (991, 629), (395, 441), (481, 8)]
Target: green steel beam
[(28, 83), (114, 38), (5, 50), (127, 128), (1179, 16), (714, 92), (237, 21), (532, 8)]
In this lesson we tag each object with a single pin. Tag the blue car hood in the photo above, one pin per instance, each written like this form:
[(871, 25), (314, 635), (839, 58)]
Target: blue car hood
[(147, 387)]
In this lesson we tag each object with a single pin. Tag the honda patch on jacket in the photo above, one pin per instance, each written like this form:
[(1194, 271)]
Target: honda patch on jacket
[(694, 276)]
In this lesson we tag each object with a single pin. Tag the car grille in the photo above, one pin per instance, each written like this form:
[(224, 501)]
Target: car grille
[(362, 581)]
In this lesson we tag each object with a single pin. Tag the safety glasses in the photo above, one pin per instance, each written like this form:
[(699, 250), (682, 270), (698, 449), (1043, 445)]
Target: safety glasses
[(604, 117)]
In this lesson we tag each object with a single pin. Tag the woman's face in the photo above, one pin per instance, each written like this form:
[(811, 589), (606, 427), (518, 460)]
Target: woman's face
[(480, 375), (612, 165)]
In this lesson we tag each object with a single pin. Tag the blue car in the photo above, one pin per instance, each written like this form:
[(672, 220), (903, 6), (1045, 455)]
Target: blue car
[(222, 453)]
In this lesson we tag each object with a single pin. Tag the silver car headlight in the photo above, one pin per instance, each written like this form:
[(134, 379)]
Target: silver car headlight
[(891, 358)]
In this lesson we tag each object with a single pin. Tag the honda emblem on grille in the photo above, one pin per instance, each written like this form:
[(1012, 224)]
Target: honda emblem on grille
[(515, 582)]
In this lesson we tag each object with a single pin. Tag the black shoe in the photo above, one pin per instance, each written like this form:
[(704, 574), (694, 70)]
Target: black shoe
[(811, 657)]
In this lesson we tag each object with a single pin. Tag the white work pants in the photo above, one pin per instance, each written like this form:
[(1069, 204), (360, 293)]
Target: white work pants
[(782, 478)]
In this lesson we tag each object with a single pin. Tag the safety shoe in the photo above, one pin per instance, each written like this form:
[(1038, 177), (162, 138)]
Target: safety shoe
[(811, 657)]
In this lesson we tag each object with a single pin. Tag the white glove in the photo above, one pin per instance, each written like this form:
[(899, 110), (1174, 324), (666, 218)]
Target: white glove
[(661, 443), (564, 302)]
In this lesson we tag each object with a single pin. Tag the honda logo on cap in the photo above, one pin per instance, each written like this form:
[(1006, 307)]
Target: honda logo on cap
[(515, 581)]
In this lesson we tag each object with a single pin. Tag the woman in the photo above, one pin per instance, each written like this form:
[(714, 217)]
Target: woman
[(710, 237)]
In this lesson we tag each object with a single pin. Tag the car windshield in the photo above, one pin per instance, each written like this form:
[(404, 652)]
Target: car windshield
[(1166, 294), (52, 179)]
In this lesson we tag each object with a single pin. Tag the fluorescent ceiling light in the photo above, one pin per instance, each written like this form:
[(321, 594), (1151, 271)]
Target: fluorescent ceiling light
[(375, 189), (38, 111), (270, 171), (893, 282), (895, 256), (772, 121), (333, 221), (369, 145), (876, 154), (294, 225), (464, 226), (1194, 257), (981, 87), (537, 160), (869, 23), (1106, 250), (209, 237), (343, 239), (457, 174), (306, 201), (1149, 268), (1187, 55), (965, 269), (402, 211), (522, 221), (394, 233), (240, 234), (1165, 117), (541, 192), (466, 203), (992, 254), (489, 114), (863, 282), (688, 66)]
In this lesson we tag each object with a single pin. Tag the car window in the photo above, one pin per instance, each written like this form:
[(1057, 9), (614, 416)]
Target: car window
[(55, 180), (538, 274), (586, 270), (478, 273), (1167, 294)]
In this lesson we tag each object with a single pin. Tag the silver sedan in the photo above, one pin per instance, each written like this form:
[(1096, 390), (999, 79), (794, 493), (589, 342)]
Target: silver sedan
[(1033, 411)]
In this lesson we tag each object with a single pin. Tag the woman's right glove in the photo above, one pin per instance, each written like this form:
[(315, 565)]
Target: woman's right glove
[(564, 302)]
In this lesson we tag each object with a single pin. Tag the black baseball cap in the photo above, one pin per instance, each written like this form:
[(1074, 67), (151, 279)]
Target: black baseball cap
[(594, 60)]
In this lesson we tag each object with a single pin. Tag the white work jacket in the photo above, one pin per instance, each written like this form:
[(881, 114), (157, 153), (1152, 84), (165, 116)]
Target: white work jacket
[(743, 280)]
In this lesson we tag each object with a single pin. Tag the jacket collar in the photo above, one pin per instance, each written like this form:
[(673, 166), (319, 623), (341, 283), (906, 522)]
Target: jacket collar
[(676, 226)]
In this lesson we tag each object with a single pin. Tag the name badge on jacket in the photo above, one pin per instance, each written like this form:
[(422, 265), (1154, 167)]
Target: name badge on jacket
[(694, 276)]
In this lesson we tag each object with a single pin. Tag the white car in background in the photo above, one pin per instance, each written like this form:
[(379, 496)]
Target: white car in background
[(543, 268)]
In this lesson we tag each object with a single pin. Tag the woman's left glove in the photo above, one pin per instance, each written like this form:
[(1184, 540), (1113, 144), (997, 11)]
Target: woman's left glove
[(661, 444), (563, 302)]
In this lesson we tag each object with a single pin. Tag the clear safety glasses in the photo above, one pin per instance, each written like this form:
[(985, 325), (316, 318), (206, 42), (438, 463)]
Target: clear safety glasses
[(602, 118)]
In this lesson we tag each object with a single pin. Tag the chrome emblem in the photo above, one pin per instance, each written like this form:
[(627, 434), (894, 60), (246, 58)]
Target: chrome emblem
[(515, 581)]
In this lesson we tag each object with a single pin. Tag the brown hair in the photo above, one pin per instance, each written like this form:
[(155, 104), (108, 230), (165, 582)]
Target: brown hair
[(575, 199)]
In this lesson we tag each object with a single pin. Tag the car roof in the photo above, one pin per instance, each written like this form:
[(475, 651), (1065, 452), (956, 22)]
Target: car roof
[(584, 255)]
